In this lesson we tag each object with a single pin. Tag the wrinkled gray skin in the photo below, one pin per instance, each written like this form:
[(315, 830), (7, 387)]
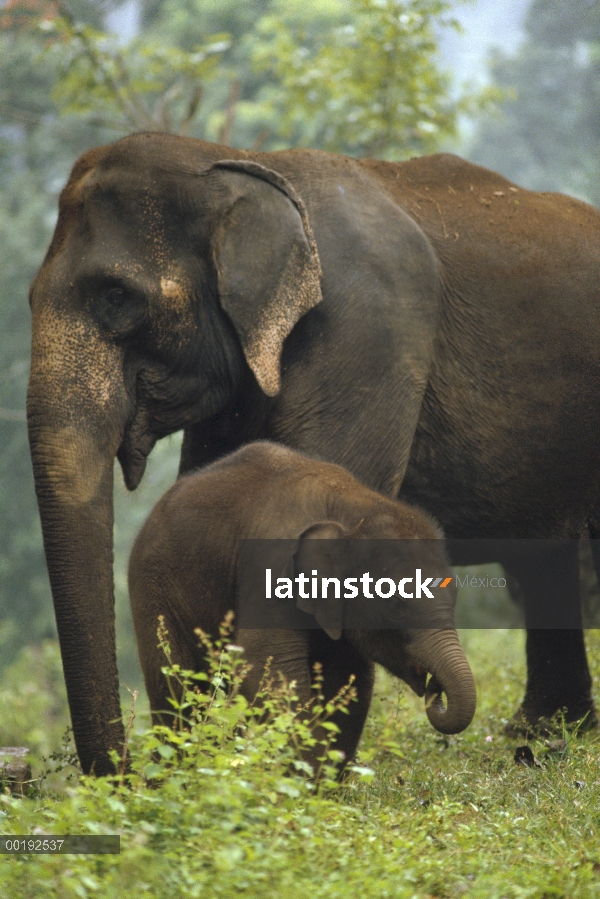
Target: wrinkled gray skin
[(184, 566), (425, 324)]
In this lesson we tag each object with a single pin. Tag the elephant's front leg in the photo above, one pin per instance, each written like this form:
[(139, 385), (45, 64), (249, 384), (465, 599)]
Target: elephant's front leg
[(287, 654), (205, 443), (287, 651), (292, 653), (558, 676), (183, 651), (341, 661)]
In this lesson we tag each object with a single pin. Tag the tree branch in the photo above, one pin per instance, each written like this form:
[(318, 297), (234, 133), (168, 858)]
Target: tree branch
[(232, 100), (132, 107)]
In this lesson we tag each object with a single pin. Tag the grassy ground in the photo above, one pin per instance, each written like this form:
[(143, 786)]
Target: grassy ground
[(440, 817)]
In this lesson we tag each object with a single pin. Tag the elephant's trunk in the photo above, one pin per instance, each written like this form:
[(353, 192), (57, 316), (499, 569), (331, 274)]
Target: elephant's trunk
[(440, 652), (73, 444)]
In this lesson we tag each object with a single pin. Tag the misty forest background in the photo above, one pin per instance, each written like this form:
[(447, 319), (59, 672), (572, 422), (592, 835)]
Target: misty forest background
[(515, 88)]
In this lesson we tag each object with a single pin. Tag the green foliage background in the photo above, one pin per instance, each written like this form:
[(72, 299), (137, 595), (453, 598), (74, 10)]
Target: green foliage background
[(546, 133)]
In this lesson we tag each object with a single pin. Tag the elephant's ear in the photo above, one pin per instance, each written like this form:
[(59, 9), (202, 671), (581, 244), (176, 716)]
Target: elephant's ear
[(267, 264), (311, 555)]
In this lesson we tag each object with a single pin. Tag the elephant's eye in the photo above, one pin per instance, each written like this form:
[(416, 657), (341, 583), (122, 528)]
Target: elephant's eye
[(116, 296), (119, 309)]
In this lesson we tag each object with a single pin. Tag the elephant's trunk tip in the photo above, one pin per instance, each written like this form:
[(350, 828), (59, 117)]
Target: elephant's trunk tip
[(454, 717)]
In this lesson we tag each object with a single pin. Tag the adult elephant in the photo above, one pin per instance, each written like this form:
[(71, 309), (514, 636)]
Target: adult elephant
[(425, 324)]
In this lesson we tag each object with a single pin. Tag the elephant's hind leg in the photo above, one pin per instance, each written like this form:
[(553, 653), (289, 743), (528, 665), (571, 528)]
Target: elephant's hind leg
[(558, 677)]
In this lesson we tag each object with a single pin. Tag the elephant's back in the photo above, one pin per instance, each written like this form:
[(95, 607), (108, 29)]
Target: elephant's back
[(484, 226)]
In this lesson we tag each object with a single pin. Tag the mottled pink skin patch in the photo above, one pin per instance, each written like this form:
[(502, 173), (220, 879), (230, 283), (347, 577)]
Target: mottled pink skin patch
[(173, 291)]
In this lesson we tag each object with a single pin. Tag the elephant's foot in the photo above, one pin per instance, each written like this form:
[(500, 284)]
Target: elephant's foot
[(528, 722), (559, 685)]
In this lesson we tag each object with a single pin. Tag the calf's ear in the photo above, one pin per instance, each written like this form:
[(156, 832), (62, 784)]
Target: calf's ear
[(317, 551), (267, 262)]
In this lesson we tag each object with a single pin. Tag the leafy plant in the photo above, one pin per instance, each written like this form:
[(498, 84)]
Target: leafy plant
[(443, 817), (213, 724), (149, 85), (370, 86)]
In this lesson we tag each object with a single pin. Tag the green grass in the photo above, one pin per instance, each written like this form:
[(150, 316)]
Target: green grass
[(440, 817)]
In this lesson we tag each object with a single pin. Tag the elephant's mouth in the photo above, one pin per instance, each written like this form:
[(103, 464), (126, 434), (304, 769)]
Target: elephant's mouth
[(138, 441), (416, 678), (142, 432)]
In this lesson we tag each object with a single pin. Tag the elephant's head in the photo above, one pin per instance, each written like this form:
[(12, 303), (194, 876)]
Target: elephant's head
[(171, 282), (412, 636)]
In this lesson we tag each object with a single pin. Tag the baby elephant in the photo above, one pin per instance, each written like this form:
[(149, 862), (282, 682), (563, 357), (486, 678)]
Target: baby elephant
[(184, 565)]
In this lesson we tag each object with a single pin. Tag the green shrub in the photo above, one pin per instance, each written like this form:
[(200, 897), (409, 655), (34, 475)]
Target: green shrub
[(227, 781), (33, 700), (222, 805)]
